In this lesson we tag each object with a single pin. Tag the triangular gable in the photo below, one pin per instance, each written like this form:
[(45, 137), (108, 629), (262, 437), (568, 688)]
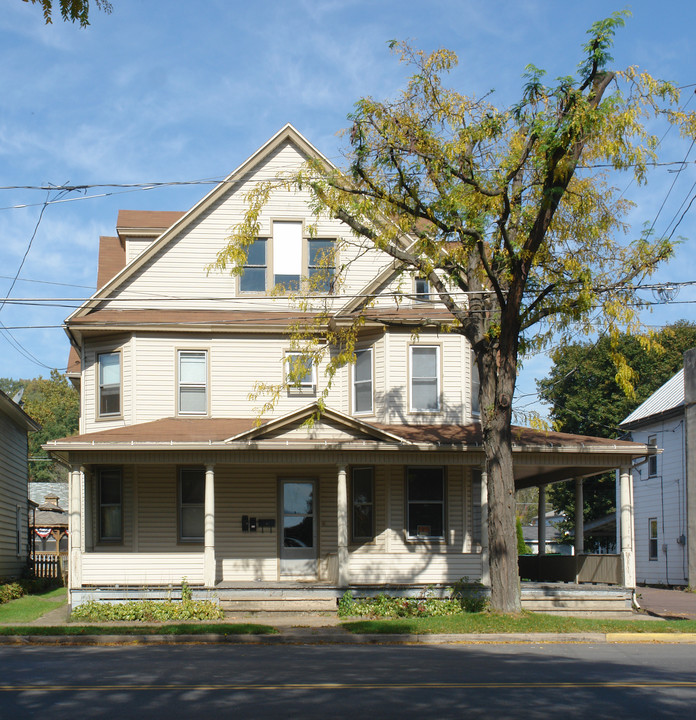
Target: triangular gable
[(287, 133), (331, 425)]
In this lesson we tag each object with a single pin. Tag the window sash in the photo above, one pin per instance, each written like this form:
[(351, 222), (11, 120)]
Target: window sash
[(425, 378), (287, 255), (362, 381), (652, 459), (421, 287), (193, 382), (320, 265), (110, 506), (425, 503), (191, 498), (475, 386), (362, 502), (109, 383), (255, 268), (295, 364), (652, 538)]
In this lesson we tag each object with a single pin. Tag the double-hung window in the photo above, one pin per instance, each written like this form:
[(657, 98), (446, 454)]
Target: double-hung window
[(652, 538), (425, 500), (191, 504), (193, 382), (652, 459), (300, 373), (362, 381), (320, 265), (421, 287), (110, 505), (475, 386), (254, 277), (287, 255), (425, 378), (362, 491), (109, 383)]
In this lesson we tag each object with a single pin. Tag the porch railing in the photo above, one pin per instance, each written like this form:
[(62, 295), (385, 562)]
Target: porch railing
[(50, 565), (572, 568)]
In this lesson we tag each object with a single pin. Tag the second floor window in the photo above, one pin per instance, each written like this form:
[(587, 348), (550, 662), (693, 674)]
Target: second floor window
[(109, 383), (110, 505), (425, 378), (475, 386), (652, 459), (362, 381), (301, 374), (193, 382)]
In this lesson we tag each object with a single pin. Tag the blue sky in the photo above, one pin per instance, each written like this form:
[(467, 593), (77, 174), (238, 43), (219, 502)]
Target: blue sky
[(174, 90)]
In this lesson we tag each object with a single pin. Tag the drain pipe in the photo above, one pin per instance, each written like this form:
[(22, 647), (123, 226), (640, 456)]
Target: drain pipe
[(634, 600)]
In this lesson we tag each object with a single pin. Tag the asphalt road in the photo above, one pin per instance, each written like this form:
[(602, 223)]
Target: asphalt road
[(447, 681)]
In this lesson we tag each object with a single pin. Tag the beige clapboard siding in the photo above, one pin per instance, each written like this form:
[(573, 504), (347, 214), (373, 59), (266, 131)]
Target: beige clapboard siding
[(416, 567), (168, 568), (13, 493), (157, 515)]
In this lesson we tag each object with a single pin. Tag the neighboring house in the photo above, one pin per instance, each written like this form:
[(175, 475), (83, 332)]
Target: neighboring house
[(556, 543), (48, 525), (14, 477), (173, 473), (664, 487)]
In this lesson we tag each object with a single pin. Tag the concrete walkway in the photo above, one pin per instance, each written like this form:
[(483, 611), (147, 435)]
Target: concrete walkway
[(668, 603)]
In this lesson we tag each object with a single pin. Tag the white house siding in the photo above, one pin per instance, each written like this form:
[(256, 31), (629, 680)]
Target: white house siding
[(142, 569), (13, 494), (661, 497), (135, 246)]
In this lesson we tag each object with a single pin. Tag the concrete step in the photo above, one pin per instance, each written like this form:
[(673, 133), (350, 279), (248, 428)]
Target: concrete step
[(280, 605)]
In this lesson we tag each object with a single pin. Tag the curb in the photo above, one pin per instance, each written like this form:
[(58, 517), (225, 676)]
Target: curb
[(320, 638)]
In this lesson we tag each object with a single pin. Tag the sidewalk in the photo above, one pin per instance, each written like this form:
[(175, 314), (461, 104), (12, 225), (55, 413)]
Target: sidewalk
[(667, 603)]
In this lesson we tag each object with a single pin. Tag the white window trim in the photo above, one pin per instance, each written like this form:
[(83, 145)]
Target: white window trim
[(654, 557), (652, 459), (205, 385), (442, 503), (438, 360), (265, 266), (302, 388), (474, 387), (364, 382), (112, 415)]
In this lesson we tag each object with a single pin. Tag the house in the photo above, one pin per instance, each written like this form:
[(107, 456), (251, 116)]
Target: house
[(664, 486), (14, 477), (176, 473)]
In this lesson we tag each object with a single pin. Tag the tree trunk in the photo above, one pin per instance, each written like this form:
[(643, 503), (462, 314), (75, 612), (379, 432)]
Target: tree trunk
[(496, 415)]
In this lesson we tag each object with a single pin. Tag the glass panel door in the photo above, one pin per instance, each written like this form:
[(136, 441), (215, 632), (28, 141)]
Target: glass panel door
[(298, 551)]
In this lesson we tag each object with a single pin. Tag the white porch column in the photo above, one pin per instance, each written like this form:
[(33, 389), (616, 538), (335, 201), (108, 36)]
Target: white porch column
[(541, 515), (342, 527), (627, 555), (209, 528), (579, 518), (485, 562), (75, 537)]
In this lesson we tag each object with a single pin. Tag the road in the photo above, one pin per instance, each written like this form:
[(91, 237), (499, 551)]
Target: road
[(447, 681)]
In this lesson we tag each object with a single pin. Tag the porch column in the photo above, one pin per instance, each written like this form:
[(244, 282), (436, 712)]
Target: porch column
[(627, 556), (209, 528), (579, 518), (485, 562), (541, 524), (75, 539), (342, 527)]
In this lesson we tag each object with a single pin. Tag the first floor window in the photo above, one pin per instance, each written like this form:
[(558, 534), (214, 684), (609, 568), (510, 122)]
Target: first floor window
[(191, 503), (362, 381), (362, 491), (300, 373), (652, 539), (109, 383), (110, 505), (425, 502), (193, 382), (425, 378)]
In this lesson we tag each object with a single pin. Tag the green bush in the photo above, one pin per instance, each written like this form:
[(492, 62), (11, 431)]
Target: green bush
[(10, 591), (148, 611)]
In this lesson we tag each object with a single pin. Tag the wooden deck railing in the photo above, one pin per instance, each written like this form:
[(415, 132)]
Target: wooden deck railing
[(50, 565), (572, 568)]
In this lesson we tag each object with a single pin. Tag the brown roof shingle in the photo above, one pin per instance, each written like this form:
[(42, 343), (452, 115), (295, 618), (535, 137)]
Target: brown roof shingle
[(147, 219)]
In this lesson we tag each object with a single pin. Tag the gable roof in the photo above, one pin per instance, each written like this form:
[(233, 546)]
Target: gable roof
[(286, 134), (665, 399), (15, 413)]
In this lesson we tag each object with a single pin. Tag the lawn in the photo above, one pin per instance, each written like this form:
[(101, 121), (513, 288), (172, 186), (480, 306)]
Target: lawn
[(523, 623), (30, 607)]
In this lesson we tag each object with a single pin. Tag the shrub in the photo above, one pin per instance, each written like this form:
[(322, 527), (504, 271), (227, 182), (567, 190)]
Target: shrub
[(10, 591), (148, 611)]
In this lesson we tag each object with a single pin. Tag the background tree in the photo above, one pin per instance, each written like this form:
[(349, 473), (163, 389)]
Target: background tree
[(72, 10), (55, 405), (588, 397), (508, 216)]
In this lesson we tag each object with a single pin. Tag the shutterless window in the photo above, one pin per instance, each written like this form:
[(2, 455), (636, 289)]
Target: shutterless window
[(362, 381), (475, 386), (425, 493), (300, 373), (193, 382), (321, 269), (652, 459), (18, 529), (109, 383), (422, 289), (652, 538), (425, 378), (287, 255), (191, 503), (362, 490), (254, 277), (110, 506)]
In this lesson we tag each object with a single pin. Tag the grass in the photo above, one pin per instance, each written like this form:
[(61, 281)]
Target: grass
[(31, 607), (169, 629), (523, 623)]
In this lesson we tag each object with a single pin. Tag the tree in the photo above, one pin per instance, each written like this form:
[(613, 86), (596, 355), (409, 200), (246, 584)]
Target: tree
[(588, 397), (508, 215), (71, 9), (55, 405)]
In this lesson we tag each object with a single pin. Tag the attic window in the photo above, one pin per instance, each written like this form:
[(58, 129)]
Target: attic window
[(254, 277), (287, 255)]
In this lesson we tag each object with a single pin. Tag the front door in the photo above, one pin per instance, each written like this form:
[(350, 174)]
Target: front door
[(298, 539)]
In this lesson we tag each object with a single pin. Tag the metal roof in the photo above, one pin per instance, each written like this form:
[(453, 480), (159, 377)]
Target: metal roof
[(669, 397)]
